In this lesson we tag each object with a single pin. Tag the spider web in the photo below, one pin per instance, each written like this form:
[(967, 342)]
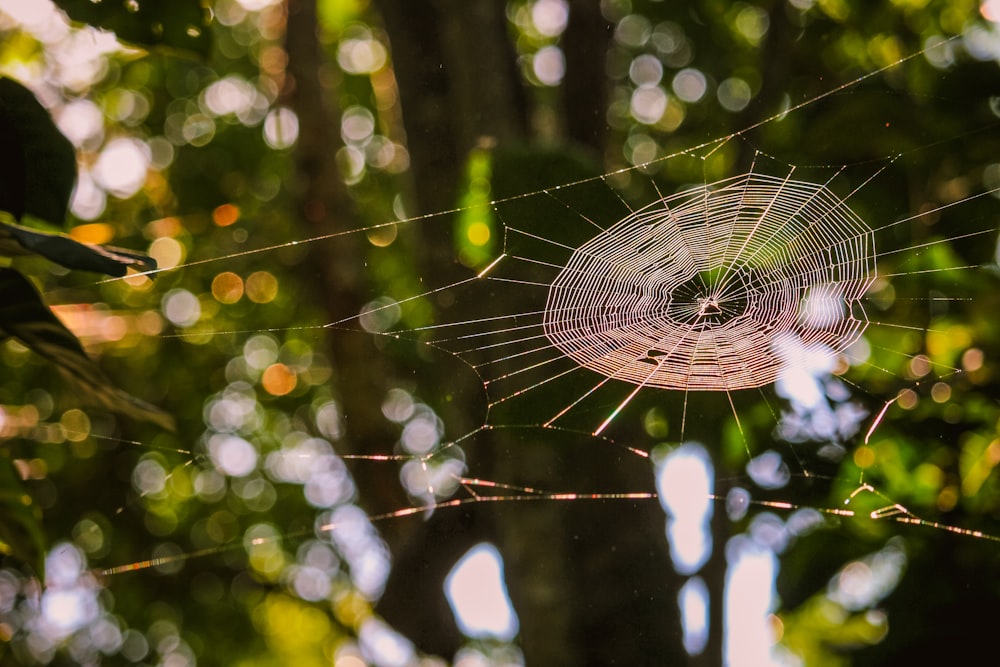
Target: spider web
[(698, 285), (718, 288), (629, 293), (698, 291)]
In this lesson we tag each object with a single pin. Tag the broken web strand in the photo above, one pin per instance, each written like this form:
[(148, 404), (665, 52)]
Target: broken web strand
[(891, 511), (563, 496), (498, 492)]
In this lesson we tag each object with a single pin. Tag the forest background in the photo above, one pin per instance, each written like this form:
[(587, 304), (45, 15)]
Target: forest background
[(202, 132)]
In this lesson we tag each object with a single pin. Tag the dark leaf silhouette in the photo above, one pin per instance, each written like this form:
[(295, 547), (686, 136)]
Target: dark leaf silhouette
[(61, 249), (38, 169)]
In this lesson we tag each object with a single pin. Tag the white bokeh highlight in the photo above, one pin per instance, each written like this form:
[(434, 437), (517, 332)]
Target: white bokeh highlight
[(478, 597)]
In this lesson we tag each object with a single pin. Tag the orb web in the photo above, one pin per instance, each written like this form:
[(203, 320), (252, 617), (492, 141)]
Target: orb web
[(700, 290)]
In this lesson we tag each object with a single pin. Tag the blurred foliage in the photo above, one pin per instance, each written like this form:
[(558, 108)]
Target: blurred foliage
[(193, 160), (38, 178), (21, 533), (25, 317), (180, 26)]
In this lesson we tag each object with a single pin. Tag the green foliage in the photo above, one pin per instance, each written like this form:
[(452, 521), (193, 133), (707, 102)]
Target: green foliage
[(823, 633), (36, 180), (217, 191), (49, 179), (21, 533), (24, 316)]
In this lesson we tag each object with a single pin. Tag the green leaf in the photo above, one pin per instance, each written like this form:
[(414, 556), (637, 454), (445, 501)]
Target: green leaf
[(38, 168), (16, 240), (177, 25), (24, 316), (21, 534)]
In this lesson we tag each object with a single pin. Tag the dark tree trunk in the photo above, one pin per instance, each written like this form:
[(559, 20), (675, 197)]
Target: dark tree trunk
[(591, 581), (459, 88), (706, 415), (585, 87), (337, 267)]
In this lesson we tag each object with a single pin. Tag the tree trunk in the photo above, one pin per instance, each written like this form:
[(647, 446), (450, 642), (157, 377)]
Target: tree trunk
[(459, 88), (591, 581), (585, 86), (337, 267), (706, 415)]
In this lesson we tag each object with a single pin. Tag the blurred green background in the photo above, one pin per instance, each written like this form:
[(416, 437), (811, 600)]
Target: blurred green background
[(205, 131)]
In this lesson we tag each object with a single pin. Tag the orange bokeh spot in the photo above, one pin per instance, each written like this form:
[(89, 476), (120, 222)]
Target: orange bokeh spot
[(972, 359), (907, 399), (164, 227), (97, 232), (225, 215), (278, 380), (227, 287), (262, 287)]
